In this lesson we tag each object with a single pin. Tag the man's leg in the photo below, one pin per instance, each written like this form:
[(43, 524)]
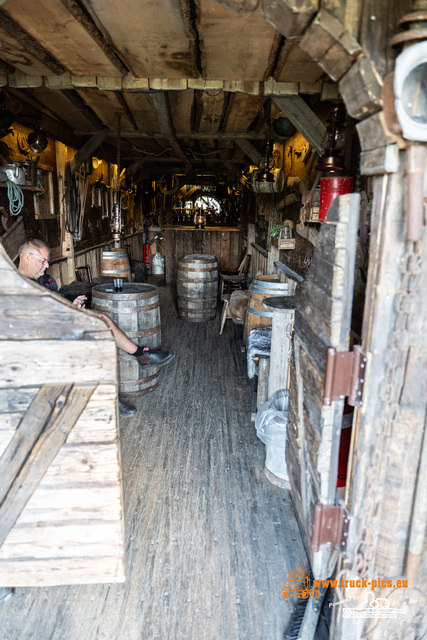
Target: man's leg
[(144, 355)]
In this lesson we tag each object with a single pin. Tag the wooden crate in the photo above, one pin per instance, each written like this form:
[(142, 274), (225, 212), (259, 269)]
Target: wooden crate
[(60, 482)]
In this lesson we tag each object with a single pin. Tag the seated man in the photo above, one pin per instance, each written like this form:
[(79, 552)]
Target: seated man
[(34, 258)]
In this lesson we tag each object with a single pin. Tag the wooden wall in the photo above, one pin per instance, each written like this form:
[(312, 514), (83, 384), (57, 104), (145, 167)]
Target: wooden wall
[(225, 243)]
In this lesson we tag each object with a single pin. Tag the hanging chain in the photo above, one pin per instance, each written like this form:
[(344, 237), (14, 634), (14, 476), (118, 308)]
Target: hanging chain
[(119, 144)]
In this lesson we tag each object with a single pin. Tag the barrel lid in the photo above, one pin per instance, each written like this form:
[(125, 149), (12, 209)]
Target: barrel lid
[(129, 290), (203, 257), (280, 303)]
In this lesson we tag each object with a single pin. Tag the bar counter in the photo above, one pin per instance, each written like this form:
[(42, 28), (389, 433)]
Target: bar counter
[(225, 243)]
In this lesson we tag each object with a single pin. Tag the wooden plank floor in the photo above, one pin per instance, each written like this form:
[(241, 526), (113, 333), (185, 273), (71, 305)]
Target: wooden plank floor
[(209, 541)]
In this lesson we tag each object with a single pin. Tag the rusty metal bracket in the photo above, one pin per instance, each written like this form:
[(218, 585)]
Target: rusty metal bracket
[(330, 524), (345, 376)]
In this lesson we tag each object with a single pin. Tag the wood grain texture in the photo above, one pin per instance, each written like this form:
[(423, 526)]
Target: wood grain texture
[(322, 319), (209, 541)]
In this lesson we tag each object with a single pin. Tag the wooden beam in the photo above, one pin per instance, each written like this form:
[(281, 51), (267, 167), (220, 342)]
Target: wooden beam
[(83, 18), (253, 154), (361, 90), (328, 43), (66, 241), (192, 135), (303, 118), (289, 17), (162, 108), (31, 45), (58, 422), (87, 149)]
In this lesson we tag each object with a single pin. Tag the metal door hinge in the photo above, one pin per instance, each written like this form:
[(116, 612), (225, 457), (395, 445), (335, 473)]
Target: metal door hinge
[(345, 376), (330, 524)]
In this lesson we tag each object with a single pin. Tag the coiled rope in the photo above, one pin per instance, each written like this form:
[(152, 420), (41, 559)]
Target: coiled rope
[(16, 198)]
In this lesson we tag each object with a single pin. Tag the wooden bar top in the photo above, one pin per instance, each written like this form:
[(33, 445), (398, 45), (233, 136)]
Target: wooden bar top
[(192, 228)]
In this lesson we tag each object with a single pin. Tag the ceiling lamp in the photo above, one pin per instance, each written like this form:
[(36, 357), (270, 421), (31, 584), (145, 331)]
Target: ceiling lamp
[(264, 174), (37, 140)]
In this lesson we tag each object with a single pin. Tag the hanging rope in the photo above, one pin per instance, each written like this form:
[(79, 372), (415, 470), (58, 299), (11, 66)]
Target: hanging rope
[(16, 198)]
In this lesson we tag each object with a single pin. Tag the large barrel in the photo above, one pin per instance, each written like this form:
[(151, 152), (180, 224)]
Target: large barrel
[(136, 310), (256, 313), (197, 287), (115, 263)]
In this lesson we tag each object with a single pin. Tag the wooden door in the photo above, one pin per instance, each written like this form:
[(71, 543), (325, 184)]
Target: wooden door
[(386, 490), (322, 320)]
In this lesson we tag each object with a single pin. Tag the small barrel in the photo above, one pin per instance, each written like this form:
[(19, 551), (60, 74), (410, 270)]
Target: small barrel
[(256, 314), (115, 263), (136, 311), (197, 287)]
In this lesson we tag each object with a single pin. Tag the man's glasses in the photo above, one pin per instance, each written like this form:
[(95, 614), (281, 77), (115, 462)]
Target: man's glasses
[(40, 258)]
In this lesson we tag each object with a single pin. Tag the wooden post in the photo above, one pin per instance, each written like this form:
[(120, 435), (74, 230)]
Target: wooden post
[(280, 346), (263, 375), (66, 240)]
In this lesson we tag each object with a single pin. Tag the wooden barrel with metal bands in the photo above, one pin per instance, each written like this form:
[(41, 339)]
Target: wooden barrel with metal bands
[(115, 263), (256, 314), (136, 311), (197, 287)]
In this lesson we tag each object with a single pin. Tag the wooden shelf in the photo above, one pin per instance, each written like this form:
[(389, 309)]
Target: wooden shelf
[(24, 187)]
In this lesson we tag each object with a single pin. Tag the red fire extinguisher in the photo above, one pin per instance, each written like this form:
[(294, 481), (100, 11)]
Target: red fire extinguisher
[(146, 252)]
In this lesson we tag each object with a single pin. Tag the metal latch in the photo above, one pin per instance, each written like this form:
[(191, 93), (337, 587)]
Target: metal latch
[(345, 376), (330, 524)]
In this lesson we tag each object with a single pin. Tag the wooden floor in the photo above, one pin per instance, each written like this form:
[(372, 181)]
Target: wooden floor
[(209, 541)]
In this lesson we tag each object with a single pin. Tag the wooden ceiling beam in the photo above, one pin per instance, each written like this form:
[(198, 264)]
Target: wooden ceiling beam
[(87, 150), (31, 45), (83, 19), (253, 154), (303, 118), (191, 135), (161, 106)]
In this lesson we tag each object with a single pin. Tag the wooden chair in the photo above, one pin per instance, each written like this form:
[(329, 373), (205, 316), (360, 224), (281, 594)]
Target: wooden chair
[(83, 274), (228, 300), (235, 281)]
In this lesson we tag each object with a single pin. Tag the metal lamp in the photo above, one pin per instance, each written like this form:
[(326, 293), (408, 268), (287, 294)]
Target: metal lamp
[(37, 140), (264, 174)]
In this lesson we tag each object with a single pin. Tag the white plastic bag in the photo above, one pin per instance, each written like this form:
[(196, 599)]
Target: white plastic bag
[(271, 422)]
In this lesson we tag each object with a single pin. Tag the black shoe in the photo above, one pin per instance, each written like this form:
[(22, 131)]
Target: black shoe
[(155, 358), (125, 410)]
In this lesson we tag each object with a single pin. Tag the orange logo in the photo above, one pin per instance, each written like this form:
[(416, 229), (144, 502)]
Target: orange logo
[(298, 584)]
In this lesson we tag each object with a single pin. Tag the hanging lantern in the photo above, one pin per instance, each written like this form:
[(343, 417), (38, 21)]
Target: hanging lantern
[(199, 219), (116, 223), (333, 158), (264, 174)]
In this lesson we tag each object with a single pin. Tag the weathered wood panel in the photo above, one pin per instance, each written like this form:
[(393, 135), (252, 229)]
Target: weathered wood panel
[(56, 447), (190, 455), (225, 243), (53, 24), (321, 320)]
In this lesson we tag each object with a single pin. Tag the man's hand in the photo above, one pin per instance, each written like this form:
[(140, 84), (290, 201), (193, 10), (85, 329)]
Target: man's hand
[(80, 301)]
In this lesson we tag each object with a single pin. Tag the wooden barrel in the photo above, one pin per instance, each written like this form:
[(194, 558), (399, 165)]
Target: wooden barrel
[(256, 313), (115, 263), (197, 287), (136, 310)]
